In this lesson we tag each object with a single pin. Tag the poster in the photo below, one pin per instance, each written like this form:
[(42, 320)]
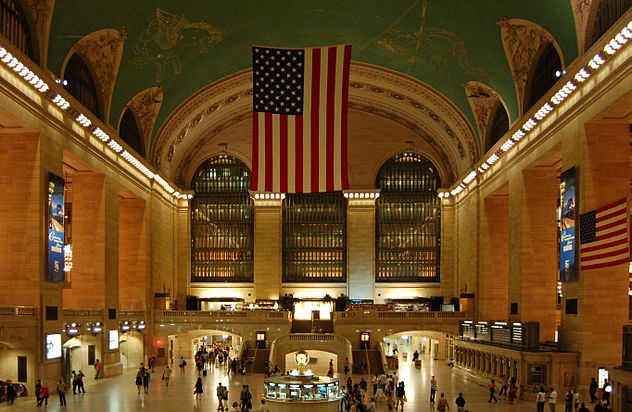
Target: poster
[(568, 223), (55, 243)]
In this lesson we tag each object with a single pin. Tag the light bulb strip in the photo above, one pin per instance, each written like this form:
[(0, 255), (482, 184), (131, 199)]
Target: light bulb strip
[(611, 48)]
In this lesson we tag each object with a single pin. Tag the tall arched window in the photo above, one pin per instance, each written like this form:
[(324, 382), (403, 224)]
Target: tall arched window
[(608, 13), (315, 237), (222, 222), (408, 220), (498, 126), (81, 85), (13, 26), (543, 76), (128, 130)]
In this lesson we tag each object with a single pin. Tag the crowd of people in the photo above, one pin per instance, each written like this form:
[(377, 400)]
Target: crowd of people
[(358, 396)]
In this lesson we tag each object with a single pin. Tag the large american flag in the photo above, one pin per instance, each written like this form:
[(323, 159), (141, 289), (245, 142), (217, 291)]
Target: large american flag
[(299, 121), (604, 236)]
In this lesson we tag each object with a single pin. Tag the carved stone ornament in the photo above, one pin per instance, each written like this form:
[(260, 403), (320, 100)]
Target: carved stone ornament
[(522, 41), (581, 12), (483, 100), (145, 106), (41, 13), (102, 51)]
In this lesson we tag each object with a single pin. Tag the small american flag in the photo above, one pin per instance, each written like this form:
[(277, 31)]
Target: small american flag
[(604, 236), (299, 123)]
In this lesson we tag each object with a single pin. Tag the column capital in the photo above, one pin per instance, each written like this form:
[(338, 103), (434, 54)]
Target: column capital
[(267, 199)]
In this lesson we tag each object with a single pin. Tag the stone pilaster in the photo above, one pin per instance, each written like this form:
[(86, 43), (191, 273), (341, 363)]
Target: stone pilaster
[(268, 245)]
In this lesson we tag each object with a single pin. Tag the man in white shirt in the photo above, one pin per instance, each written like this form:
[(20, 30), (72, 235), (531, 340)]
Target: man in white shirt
[(540, 398), (552, 399)]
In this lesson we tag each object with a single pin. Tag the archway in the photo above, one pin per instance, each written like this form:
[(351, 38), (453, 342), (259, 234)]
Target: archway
[(186, 344), (131, 348)]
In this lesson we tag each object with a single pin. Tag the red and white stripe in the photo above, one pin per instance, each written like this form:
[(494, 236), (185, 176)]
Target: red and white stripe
[(611, 246), (308, 153)]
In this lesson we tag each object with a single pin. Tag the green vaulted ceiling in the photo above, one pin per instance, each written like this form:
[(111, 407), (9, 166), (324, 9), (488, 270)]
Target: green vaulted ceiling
[(443, 43)]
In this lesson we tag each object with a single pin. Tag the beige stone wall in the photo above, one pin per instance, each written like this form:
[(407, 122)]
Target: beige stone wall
[(133, 274), (493, 282), (22, 214), (268, 241), (361, 248), (467, 249)]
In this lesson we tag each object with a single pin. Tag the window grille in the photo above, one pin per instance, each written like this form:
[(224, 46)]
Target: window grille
[(81, 85), (222, 222), (314, 237), (130, 133), (13, 26), (408, 232)]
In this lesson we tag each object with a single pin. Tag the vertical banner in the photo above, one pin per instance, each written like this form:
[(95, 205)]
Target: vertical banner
[(55, 246), (568, 223)]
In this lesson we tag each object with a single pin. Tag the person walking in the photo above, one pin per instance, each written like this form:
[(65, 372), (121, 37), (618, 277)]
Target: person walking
[(9, 391), (592, 390), (139, 380), (182, 363), (433, 389), (80, 387), (198, 390), (222, 395), (568, 401), (503, 388), (246, 399), (442, 404), (166, 375), (540, 398), (400, 392), (375, 381), (61, 390), (492, 391), (146, 379), (43, 396), (74, 382), (38, 387), (97, 368), (552, 399), (460, 402)]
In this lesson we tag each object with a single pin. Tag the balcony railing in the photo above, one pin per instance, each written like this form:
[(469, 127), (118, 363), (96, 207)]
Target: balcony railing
[(223, 314), (376, 315), (13, 312)]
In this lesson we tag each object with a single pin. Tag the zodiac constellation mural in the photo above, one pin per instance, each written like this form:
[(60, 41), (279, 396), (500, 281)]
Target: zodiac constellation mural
[(439, 46), (167, 36)]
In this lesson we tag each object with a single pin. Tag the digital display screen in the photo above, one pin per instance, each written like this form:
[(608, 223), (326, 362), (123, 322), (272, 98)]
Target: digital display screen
[(53, 346), (113, 339)]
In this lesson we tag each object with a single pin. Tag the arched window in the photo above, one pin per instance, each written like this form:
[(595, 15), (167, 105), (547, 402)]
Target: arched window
[(498, 126), (13, 26), (128, 130), (81, 85), (543, 76), (315, 237), (408, 221), (222, 222), (608, 13)]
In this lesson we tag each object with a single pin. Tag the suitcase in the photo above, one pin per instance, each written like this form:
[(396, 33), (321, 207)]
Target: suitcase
[(204, 372)]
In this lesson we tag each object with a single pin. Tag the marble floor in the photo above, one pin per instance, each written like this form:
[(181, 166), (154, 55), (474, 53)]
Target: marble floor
[(118, 394)]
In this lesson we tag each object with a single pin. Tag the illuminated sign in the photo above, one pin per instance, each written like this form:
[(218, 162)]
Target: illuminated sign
[(113, 339), (568, 211), (55, 235), (53, 346)]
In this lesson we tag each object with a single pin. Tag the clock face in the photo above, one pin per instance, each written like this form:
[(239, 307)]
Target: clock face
[(302, 358)]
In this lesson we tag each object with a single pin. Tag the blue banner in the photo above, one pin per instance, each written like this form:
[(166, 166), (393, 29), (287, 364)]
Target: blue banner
[(55, 228), (568, 224)]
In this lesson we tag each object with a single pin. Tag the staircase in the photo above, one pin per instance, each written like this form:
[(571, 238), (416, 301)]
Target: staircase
[(371, 357), (258, 358), (312, 326)]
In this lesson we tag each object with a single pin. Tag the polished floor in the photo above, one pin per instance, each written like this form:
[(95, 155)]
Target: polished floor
[(118, 394)]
